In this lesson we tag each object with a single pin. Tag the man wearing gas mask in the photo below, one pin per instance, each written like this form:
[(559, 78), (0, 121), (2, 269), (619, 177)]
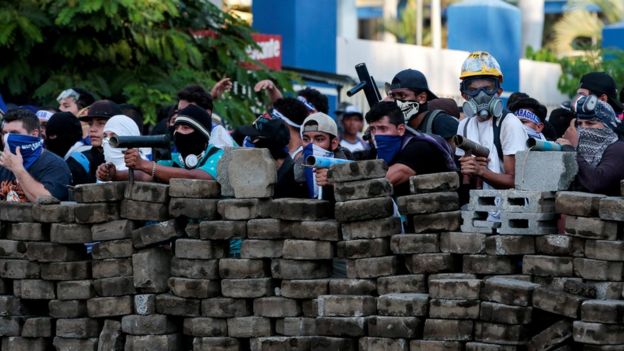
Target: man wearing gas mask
[(411, 92), (192, 158), (488, 124)]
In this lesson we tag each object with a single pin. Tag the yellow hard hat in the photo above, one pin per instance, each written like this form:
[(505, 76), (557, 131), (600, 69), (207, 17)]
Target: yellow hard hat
[(481, 63)]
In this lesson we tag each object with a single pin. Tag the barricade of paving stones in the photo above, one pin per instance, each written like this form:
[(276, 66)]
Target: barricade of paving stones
[(310, 275)]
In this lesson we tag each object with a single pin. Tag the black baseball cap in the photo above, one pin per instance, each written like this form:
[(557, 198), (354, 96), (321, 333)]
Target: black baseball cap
[(273, 131), (599, 83), (102, 109), (412, 79)]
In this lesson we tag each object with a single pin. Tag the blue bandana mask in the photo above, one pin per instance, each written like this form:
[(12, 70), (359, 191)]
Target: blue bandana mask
[(30, 146), (314, 191), (388, 146)]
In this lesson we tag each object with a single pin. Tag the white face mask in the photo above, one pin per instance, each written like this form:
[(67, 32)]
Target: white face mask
[(114, 155)]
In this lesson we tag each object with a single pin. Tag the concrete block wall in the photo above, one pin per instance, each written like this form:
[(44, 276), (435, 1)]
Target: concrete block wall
[(161, 276)]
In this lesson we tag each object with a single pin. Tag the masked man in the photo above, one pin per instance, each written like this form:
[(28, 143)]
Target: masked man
[(27, 171)]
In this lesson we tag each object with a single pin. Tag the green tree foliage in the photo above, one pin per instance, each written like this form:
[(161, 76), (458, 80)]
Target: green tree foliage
[(137, 51), (594, 59)]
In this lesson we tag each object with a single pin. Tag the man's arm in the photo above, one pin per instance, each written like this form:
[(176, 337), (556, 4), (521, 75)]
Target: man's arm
[(14, 163), (160, 172), (477, 166), (399, 173), (272, 91)]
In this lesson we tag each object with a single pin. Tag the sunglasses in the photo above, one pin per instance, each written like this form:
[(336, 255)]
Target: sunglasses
[(68, 93)]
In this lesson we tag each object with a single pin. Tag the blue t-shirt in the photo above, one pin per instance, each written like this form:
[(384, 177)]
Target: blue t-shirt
[(208, 165), (49, 170)]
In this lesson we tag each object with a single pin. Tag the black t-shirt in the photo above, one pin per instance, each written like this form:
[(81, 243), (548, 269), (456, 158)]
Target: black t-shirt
[(286, 185), (423, 158), (49, 170), (443, 125), (80, 162)]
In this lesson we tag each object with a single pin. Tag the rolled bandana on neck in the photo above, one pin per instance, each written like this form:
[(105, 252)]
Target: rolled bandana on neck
[(30, 146), (528, 115), (275, 114), (307, 104)]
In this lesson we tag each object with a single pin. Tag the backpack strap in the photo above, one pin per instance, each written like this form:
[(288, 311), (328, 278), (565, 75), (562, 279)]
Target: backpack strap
[(81, 159), (497, 131), (430, 119)]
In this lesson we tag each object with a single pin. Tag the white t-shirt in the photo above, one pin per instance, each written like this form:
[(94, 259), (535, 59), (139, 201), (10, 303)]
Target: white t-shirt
[(513, 138), (359, 145), (220, 137)]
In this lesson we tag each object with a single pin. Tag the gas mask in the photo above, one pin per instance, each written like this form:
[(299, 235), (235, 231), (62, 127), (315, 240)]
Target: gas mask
[(483, 105)]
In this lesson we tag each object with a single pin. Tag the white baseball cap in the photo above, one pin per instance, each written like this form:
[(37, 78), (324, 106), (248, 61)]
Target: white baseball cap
[(322, 123)]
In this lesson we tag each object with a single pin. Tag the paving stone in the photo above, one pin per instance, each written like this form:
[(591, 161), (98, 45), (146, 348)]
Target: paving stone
[(547, 265), (403, 305), (341, 326), (168, 342), (51, 252), (96, 212), (145, 304), (605, 250), (434, 182), (562, 169), (215, 343), (296, 326), (70, 344), (143, 210), (611, 208), (304, 289), (598, 269), (194, 188), (591, 228), (198, 249), (363, 248), (241, 268), (53, 213), (225, 307), (382, 344), (414, 243), (430, 263), (246, 288), (500, 333), (448, 329), (351, 287), (480, 346), (243, 209), (559, 245), (146, 325), (70, 233), (194, 288), (76, 270), (580, 288), (576, 203), (281, 343), (177, 306), (111, 337), (361, 170), (205, 209), (509, 245), (603, 311), (205, 327), (13, 249), (462, 243), (67, 308), (155, 234), (508, 291), (557, 302), (364, 209), (147, 192), (252, 173), (597, 333), (248, 327), (113, 249), (378, 228), (34, 289), (454, 309), (459, 289), (394, 327), (276, 307), (327, 230), (362, 189), (12, 306), (222, 230), (506, 314), (99, 192), (261, 248), (373, 267), (77, 289), (151, 270), (435, 345), (265, 229), (428, 203), (11, 326), (78, 328), (16, 212), (194, 269), (437, 222), (556, 334), (19, 269), (307, 249), (99, 307), (26, 232), (346, 306), (109, 268), (222, 172), (24, 344), (300, 269)]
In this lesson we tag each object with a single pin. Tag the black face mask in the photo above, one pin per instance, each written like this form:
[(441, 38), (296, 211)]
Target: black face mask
[(277, 152), (59, 145), (193, 143)]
